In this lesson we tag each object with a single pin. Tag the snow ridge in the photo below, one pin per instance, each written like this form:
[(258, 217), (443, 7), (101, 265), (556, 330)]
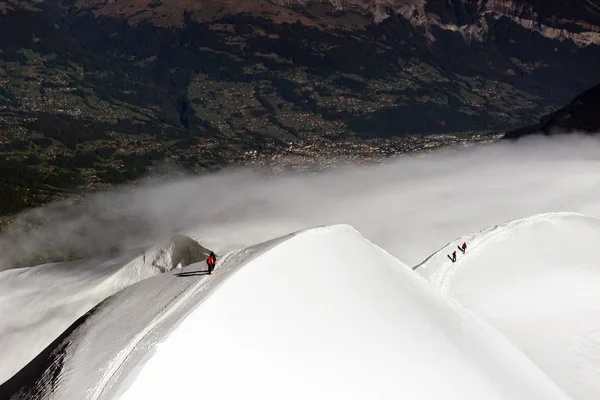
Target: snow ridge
[(319, 313), (58, 294), (365, 321), (122, 356), (536, 280), (99, 353), (441, 276)]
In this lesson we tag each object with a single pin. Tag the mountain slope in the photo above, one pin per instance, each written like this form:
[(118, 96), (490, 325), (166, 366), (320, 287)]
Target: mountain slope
[(550, 18), (39, 303), (581, 115), (320, 313), (536, 280), (96, 93)]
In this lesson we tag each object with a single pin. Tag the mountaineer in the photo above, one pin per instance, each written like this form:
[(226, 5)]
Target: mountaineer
[(453, 258), (211, 261)]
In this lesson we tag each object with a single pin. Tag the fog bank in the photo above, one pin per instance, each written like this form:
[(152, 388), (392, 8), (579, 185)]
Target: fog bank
[(411, 206)]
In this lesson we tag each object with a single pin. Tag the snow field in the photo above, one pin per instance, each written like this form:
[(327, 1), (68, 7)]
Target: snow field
[(37, 304), (537, 281), (326, 314)]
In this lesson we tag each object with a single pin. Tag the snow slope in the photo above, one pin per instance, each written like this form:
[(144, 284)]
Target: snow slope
[(103, 347), (538, 281), (320, 314), (37, 304)]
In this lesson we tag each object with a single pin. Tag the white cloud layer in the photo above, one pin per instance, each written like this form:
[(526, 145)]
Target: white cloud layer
[(411, 206)]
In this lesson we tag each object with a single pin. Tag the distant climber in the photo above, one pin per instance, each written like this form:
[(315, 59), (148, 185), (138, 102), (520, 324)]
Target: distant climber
[(211, 261), (463, 248), (453, 258)]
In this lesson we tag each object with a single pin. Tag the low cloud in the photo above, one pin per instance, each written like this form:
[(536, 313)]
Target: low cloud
[(411, 206)]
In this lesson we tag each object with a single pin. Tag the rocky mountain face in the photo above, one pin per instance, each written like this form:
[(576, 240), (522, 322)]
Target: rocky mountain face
[(582, 115), (574, 20), (578, 20), (97, 92)]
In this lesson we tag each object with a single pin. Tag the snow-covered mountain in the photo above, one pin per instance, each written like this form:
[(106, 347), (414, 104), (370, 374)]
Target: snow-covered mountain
[(536, 280), (37, 304), (326, 313), (322, 312)]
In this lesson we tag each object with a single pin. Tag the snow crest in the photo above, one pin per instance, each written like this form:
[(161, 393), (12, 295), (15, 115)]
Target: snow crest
[(536, 280), (319, 314), (325, 314), (56, 295)]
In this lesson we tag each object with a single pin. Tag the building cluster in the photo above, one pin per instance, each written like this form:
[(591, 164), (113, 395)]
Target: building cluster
[(319, 153)]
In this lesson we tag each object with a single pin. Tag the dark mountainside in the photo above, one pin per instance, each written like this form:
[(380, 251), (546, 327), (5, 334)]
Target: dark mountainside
[(98, 93), (581, 115)]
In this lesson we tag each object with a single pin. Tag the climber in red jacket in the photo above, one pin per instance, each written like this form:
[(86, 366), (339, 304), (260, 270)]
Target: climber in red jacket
[(211, 261)]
